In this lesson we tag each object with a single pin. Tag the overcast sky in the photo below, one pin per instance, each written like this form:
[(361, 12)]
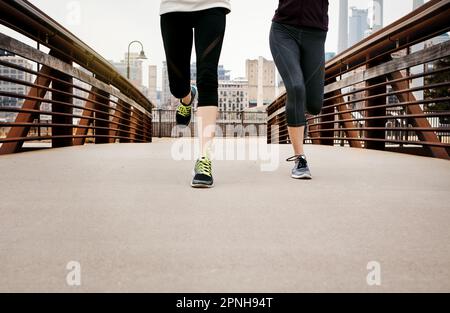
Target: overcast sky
[(109, 25)]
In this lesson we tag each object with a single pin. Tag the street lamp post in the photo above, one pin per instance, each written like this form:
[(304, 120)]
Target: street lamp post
[(141, 55)]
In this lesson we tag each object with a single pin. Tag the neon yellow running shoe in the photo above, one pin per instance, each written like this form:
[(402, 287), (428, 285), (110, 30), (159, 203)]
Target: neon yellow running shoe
[(184, 112), (203, 174)]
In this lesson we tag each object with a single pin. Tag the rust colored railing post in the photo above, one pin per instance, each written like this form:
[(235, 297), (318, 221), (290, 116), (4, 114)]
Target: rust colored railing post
[(437, 152), (125, 119), (115, 126), (327, 122), (86, 120), (101, 121), (148, 127), (347, 125), (140, 131), (283, 133), (313, 132), (133, 121), (62, 83), (25, 117), (373, 114)]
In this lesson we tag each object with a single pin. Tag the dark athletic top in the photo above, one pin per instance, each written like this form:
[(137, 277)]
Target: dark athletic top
[(299, 13)]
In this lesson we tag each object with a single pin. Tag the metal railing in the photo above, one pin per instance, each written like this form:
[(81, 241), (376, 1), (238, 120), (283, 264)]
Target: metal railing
[(388, 92), (229, 124), (62, 92)]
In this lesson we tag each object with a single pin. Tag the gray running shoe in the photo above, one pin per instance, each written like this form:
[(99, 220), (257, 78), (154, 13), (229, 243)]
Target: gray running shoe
[(301, 169)]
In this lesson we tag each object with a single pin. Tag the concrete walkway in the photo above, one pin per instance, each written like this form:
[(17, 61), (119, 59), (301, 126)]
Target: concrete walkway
[(126, 213)]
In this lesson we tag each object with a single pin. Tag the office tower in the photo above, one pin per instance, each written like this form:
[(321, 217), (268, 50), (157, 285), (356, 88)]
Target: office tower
[(375, 15), (152, 84), (136, 72), (222, 73), (233, 95), (12, 87), (358, 25), (343, 26), (260, 74), (167, 100)]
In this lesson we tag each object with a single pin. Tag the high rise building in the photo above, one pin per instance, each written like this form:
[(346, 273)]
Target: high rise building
[(193, 72), (343, 26), (222, 73), (375, 16), (136, 71), (152, 84), (11, 87), (233, 95), (260, 74), (358, 25), (167, 101), (137, 74)]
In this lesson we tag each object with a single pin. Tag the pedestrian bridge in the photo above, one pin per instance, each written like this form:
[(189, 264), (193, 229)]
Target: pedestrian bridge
[(128, 215), (109, 197)]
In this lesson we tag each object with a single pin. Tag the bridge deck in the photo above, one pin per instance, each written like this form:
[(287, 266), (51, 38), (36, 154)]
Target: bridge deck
[(127, 214)]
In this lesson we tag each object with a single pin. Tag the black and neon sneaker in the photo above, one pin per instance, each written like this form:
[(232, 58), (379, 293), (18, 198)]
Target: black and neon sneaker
[(301, 169), (184, 111), (203, 174)]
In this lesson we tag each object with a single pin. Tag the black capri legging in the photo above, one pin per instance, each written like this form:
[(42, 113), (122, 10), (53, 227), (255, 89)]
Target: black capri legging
[(209, 27), (299, 54)]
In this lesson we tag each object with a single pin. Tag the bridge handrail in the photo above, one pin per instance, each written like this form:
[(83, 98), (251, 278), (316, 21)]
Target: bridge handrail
[(113, 109), (366, 82), (25, 18)]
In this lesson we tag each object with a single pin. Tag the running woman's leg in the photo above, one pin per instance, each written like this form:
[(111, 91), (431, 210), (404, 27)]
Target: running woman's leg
[(312, 47), (209, 32), (177, 34), (284, 43), (286, 54)]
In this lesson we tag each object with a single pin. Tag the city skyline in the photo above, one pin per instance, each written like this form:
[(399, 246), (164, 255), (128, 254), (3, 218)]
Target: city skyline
[(241, 43)]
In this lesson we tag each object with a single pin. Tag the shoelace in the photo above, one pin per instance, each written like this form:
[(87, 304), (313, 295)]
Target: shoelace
[(203, 166), (301, 161), (184, 110)]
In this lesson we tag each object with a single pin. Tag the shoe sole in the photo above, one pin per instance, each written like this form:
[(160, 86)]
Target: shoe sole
[(304, 177), (201, 186)]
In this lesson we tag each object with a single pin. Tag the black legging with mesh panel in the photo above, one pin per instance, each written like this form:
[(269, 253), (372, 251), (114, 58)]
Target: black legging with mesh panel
[(179, 29)]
